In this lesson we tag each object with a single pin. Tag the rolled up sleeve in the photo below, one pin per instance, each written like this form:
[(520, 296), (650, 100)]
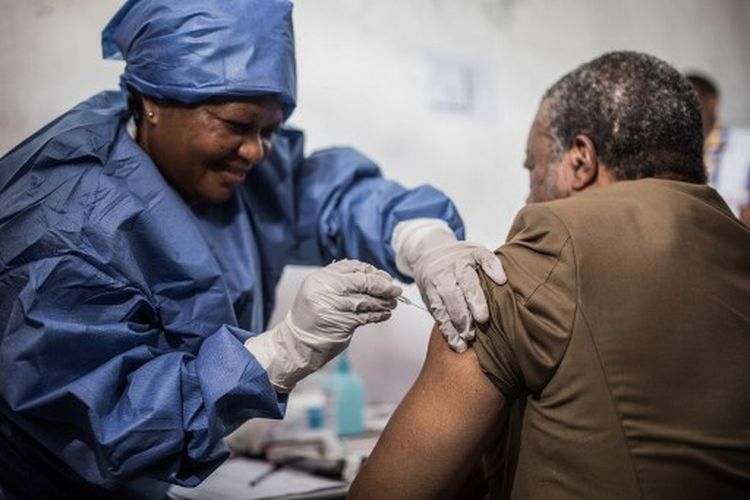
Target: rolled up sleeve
[(532, 315)]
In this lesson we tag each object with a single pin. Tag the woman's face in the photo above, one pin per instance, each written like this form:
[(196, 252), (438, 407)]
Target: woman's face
[(205, 151)]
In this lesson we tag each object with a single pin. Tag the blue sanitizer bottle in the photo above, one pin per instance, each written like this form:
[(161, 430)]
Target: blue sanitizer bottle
[(347, 398)]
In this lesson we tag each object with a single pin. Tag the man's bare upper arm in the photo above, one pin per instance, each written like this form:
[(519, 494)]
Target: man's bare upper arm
[(437, 433)]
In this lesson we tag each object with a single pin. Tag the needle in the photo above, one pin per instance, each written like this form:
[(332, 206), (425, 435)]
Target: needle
[(408, 302)]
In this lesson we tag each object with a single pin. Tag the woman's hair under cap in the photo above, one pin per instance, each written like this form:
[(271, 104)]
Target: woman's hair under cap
[(195, 50)]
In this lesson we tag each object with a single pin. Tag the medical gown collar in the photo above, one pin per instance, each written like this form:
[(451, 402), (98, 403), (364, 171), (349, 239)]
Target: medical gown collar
[(194, 50)]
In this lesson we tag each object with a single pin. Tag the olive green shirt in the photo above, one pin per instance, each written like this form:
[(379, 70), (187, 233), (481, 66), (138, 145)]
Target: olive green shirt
[(622, 344)]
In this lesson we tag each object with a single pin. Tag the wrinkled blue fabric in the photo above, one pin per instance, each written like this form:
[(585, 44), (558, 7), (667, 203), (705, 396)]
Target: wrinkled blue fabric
[(193, 50), (123, 311)]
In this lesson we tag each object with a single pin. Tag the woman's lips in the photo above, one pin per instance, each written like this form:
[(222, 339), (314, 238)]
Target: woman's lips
[(235, 174)]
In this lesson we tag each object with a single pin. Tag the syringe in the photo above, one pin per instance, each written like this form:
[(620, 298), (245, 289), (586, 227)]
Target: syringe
[(408, 302)]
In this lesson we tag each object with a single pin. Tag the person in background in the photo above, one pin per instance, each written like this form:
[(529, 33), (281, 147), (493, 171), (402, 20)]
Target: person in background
[(614, 364), (143, 233), (726, 150)]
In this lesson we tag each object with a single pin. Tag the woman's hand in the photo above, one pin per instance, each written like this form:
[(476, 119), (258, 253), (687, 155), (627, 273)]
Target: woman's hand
[(445, 270), (331, 303)]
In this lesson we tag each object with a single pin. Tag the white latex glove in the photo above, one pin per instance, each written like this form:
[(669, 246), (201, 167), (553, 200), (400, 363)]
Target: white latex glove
[(331, 303), (445, 272)]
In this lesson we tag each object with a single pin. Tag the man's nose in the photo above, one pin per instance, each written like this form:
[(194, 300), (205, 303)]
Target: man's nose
[(254, 148)]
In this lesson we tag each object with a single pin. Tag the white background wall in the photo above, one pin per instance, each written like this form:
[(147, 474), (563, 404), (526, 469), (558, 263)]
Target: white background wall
[(379, 75)]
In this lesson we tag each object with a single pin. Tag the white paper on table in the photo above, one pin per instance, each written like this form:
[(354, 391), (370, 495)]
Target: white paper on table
[(231, 481)]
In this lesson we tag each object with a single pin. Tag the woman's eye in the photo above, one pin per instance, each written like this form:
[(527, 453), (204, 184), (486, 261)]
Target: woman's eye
[(268, 132), (238, 127)]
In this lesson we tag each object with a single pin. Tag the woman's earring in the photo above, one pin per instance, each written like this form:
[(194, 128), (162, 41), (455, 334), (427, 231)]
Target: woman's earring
[(150, 114)]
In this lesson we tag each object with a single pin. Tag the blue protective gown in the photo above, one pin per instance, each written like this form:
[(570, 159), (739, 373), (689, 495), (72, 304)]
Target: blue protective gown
[(123, 310)]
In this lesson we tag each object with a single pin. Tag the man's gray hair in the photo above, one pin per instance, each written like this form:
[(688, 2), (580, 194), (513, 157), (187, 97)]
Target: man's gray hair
[(642, 115)]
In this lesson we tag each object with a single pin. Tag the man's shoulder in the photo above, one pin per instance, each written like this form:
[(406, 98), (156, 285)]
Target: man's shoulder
[(614, 195), (637, 198), (575, 212), (628, 215)]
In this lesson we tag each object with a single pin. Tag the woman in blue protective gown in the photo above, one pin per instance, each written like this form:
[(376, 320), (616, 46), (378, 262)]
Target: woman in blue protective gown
[(142, 235)]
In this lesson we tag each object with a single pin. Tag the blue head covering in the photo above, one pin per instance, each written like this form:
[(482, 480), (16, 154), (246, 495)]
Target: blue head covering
[(193, 50)]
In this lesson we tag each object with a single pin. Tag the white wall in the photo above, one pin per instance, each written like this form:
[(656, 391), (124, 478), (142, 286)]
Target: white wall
[(377, 75)]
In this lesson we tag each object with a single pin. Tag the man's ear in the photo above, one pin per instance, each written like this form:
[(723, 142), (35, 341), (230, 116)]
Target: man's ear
[(584, 162)]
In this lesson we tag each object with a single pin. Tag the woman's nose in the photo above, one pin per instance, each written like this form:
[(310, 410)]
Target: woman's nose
[(254, 148)]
